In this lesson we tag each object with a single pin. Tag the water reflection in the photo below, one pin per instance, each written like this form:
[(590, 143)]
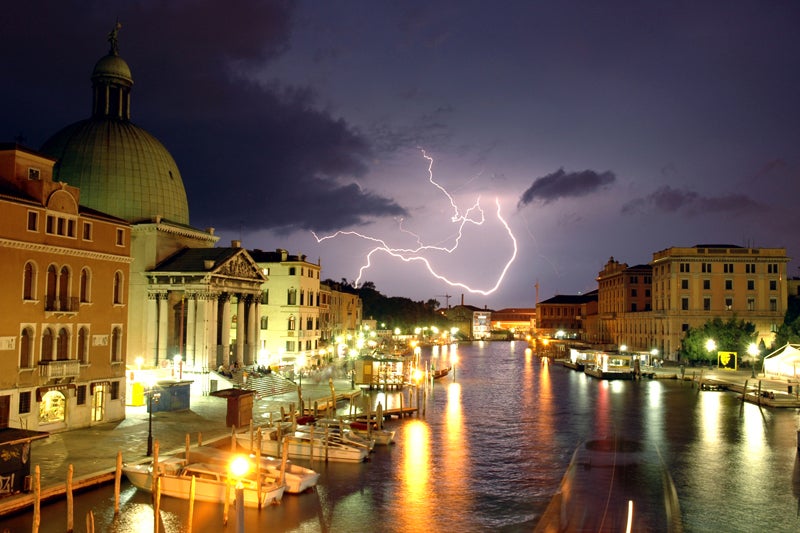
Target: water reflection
[(413, 500)]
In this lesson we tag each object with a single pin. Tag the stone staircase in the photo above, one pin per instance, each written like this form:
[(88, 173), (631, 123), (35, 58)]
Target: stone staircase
[(264, 384)]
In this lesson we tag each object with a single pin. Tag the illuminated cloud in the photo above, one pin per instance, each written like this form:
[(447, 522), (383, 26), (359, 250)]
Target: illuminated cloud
[(667, 199), (561, 184)]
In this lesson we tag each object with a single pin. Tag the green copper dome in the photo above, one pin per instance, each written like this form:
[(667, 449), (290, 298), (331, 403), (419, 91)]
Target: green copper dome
[(120, 168)]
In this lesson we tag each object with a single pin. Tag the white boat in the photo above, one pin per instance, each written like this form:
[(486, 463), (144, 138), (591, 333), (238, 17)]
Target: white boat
[(382, 437), (303, 445), (211, 482), (297, 479), (337, 431)]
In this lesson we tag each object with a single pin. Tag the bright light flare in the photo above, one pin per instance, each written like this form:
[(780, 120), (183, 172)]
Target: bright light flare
[(474, 215)]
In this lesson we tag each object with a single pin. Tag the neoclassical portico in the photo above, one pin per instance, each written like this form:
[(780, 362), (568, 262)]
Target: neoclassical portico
[(202, 305)]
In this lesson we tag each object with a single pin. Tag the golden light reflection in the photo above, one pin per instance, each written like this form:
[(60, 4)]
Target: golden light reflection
[(415, 498), (709, 417)]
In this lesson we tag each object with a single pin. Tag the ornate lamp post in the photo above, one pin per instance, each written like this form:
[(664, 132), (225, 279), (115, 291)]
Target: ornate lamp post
[(238, 469), (151, 395)]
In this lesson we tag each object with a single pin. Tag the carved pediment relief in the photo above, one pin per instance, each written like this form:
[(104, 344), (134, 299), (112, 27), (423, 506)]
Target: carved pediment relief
[(239, 266)]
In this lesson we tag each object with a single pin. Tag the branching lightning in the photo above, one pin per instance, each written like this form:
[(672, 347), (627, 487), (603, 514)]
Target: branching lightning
[(474, 215)]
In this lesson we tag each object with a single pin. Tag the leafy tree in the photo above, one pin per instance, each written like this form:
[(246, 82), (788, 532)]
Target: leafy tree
[(730, 336)]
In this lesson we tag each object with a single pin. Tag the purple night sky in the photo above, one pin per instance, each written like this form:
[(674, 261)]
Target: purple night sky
[(600, 128)]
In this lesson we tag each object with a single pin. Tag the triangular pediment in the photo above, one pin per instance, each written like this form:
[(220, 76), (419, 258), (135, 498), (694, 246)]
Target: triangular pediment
[(240, 265)]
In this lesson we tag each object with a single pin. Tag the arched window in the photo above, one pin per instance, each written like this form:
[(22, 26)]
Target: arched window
[(118, 287), (63, 289), (50, 290), (291, 297), (53, 407), (62, 347), (116, 345), (47, 345), (26, 348), (83, 346), (29, 282), (85, 289)]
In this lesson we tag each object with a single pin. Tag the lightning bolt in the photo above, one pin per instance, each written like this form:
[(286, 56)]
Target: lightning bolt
[(473, 215)]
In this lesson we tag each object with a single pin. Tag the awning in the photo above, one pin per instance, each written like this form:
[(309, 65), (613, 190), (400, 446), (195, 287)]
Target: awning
[(98, 384), (41, 391)]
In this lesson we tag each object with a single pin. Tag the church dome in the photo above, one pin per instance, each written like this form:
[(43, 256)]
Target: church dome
[(120, 168)]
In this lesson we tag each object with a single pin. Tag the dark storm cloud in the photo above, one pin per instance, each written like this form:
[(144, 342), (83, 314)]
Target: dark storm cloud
[(669, 200), (251, 156), (561, 184)]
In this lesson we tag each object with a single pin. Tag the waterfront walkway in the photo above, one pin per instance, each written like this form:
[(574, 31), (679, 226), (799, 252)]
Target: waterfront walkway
[(92, 451), (762, 389)]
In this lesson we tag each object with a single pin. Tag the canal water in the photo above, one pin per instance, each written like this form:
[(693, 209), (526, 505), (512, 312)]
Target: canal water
[(496, 438)]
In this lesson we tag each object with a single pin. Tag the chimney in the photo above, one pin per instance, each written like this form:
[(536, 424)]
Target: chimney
[(462, 299), (236, 243)]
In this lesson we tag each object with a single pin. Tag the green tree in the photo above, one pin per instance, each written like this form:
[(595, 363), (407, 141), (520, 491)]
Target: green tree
[(729, 336)]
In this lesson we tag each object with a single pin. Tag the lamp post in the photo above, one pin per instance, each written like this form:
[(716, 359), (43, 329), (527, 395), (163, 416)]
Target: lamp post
[(711, 346), (238, 469), (150, 394), (752, 349)]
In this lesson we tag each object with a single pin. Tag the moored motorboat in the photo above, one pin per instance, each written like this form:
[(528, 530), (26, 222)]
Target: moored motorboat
[(298, 479), (436, 374), (382, 437), (211, 482), (303, 445)]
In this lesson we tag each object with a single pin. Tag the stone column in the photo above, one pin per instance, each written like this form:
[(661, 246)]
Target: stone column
[(163, 327), (200, 359), (252, 328), (190, 350), (151, 332), (241, 328), (225, 324)]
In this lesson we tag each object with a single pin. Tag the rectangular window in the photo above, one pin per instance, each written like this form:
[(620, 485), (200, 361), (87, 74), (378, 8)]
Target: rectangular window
[(685, 284), (33, 221), (772, 268), (80, 395), (706, 284), (750, 268), (633, 307), (684, 327), (50, 227), (728, 303), (773, 285), (289, 346), (120, 237), (773, 304), (706, 268), (633, 293), (291, 297), (684, 267), (706, 304), (24, 402), (87, 231), (634, 279), (34, 173), (647, 293), (265, 297), (751, 285), (728, 284), (115, 390), (751, 304), (265, 322), (684, 304), (727, 268)]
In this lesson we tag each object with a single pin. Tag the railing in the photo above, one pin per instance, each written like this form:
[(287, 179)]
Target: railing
[(62, 368), (64, 305)]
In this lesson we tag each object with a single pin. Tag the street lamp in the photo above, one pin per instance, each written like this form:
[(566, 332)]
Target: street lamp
[(752, 349), (150, 396), (238, 469), (711, 346)]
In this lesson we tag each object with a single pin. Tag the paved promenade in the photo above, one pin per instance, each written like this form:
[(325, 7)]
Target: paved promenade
[(92, 451)]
